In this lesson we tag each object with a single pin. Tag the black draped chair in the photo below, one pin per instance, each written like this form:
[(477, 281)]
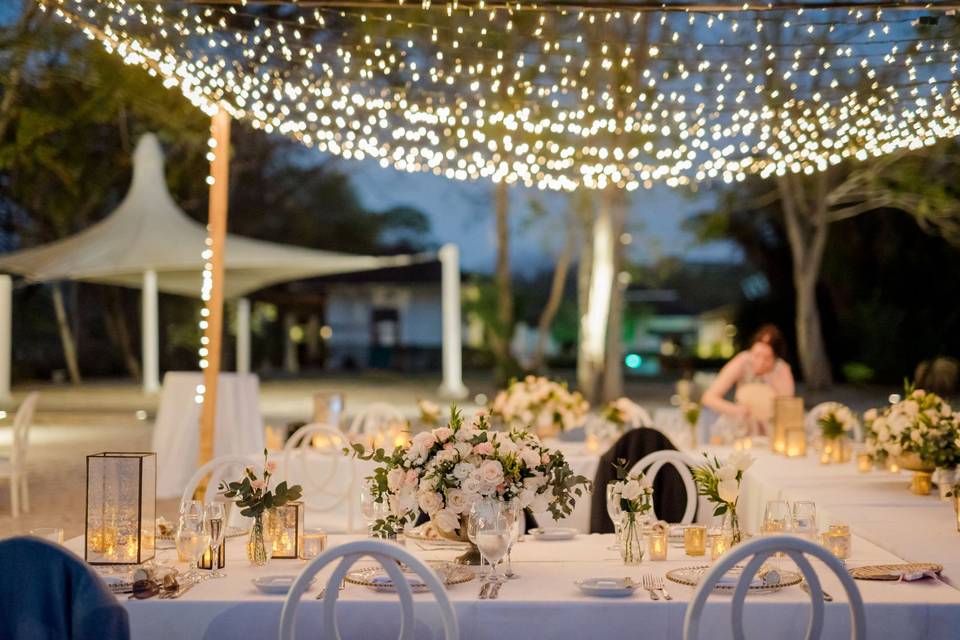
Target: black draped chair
[(48, 593), (669, 494)]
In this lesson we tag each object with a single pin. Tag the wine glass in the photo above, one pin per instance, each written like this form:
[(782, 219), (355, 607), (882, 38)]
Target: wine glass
[(214, 523), (515, 513), (191, 508), (776, 517), (192, 541), (493, 539), (615, 512), (805, 519)]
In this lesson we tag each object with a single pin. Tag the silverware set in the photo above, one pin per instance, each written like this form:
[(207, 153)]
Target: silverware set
[(826, 596), (652, 584)]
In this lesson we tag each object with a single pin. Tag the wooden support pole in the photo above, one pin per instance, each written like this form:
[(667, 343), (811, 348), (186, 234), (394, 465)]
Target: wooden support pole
[(217, 231)]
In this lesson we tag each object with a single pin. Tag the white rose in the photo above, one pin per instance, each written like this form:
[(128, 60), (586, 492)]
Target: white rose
[(741, 460), (631, 490), (462, 470), (728, 490), (529, 457), (430, 502), (446, 520), (471, 484), (463, 449), (447, 455), (526, 497), (870, 415), (457, 501), (424, 441), (491, 473), (442, 434), (727, 472), (406, 501)]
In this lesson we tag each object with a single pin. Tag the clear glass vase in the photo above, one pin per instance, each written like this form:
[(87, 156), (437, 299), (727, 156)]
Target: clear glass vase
[(260, 541), (731, 525), (631, 538)]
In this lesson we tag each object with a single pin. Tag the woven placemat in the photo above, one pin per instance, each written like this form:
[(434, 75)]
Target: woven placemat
[(893, 571)]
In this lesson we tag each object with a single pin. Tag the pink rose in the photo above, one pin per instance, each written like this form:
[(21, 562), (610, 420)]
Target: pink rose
[(483, 449), (258, 485), (442, 434), (545, 458), (271, 467)]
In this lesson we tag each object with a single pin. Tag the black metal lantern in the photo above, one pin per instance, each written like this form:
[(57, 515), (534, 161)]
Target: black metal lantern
[(206, 561), (121, 508)]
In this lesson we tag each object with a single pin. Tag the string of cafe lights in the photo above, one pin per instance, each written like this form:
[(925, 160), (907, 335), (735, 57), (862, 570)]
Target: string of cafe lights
[(571, 105)]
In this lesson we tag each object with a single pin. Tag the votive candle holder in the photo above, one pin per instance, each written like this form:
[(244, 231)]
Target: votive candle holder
[(695, 540)]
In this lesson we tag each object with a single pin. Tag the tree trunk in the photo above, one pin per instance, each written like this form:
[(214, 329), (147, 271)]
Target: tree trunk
[(557, 286), (613, 362), (503, 332), (807, 243), (66, 336), (115, 320), (593, 324), (584, 268)]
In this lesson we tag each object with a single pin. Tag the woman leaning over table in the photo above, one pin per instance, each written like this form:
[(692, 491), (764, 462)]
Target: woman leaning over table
[(760, 374)]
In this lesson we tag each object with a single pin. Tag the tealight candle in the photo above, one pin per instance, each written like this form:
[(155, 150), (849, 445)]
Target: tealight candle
[(796, 443), (695, 540), (864, 463), (657, 545), (314, 543), (837, 541), (719, 544)]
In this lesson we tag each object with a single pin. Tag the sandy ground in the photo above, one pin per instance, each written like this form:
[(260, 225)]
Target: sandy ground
[(73, 422)]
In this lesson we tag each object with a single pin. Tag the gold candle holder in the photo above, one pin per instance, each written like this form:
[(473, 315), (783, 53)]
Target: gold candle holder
[(657, 545), (838, 541), (288, 532), (921, 483), (695, 540), (787, 414), (314, 543), (864, 463), (796, 443), (719, 545)]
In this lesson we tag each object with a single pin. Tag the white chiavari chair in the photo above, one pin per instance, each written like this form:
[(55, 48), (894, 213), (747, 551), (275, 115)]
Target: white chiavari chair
[(313, 456), (14, 466), (651, 464)]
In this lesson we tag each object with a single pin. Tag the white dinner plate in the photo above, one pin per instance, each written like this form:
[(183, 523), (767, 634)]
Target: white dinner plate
[(553, 533), (275, 585), (607, 587)]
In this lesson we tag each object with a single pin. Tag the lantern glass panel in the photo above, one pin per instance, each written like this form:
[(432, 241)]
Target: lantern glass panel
[(121, 508)]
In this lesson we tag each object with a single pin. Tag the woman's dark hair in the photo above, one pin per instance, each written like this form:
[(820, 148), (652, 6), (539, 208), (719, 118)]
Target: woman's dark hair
[(771, 336)]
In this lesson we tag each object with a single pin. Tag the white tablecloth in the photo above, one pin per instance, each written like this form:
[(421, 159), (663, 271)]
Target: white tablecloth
[(877, 505), (543, 603), (176, 434)]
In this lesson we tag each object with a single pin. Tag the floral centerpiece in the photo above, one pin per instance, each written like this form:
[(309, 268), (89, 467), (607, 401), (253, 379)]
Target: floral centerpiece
[(837, 424), (443, 471), (720, 483), (635, 496), (626, 413), (539, 404), (253, 495)]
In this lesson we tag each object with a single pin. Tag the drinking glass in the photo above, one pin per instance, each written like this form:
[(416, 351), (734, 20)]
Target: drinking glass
[(192, 541), (515, 513), (370, 509), (776, 517), (493, 532), (214, 524), (805, 519), (53, 534), (191, 508), (614, 511)]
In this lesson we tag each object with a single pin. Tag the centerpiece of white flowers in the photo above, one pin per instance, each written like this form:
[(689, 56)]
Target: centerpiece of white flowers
[(634, 496), (540, 405), (837, 424), (920, 432), (720, 483), (626, 413), (443, 471), (430, 413)]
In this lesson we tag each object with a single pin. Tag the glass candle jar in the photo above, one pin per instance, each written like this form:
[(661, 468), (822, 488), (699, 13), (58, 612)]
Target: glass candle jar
[(695, 540), (657, 545), (719, 544), (837, 540), (314, 543), (864, 463)]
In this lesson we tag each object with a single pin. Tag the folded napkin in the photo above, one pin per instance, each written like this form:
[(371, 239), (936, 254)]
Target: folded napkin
[(384, 580), (765, 578), (910, 576)]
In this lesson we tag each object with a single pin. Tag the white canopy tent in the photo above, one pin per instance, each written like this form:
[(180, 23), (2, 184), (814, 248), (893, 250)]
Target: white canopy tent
[(149, 243)]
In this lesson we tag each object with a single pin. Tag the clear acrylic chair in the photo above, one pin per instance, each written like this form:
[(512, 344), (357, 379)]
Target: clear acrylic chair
[(759, 550), (390, 556)]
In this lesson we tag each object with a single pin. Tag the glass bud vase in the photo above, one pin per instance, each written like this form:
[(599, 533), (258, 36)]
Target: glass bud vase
[(731, 525), (631, 539), (260, 542)]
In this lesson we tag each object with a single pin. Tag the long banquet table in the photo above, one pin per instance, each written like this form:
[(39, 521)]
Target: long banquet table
[(543, 602)]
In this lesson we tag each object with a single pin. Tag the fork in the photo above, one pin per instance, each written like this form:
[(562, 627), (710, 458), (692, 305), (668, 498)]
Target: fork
[(658, 584), (647, 583)]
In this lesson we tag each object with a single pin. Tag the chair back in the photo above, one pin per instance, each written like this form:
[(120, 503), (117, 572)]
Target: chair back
[(759, 550), (390, 557), (49, 593), (314, 457), (21, 430), (217, 469), (650, 466), (377, 418)]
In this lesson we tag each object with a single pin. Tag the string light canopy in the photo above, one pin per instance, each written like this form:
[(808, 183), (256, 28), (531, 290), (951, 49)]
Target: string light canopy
[(554, 95)]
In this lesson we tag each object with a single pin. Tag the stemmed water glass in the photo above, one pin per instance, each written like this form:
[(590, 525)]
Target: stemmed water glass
[(192, 540), (214, 524), (191, 508), (515, 513), (804, 520), (615, 512), (493, 534)]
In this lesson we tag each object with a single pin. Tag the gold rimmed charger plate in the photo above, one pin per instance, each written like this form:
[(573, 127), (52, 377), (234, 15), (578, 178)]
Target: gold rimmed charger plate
[(451, 574), (691, 576), (893, 571)]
